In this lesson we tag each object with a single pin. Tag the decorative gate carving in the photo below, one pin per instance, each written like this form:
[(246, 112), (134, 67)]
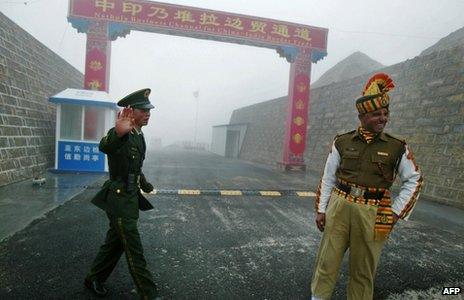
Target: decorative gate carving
[(105, 20)]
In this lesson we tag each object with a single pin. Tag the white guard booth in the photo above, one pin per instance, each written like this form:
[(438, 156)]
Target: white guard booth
[(82, 118), (227, 139)]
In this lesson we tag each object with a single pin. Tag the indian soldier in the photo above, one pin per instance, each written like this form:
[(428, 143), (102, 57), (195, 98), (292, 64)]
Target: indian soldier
[(354, 208)]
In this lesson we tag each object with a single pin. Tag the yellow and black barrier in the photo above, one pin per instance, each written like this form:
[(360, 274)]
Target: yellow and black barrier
[(205, 192)]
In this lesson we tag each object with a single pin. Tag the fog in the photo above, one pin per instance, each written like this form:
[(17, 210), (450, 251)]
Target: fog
[(229, 76)]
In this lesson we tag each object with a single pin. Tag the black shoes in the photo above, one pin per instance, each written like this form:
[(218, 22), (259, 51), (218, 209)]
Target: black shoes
[(96, 287)]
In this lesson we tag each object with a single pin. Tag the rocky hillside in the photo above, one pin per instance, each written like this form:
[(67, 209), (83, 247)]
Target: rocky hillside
[(354, 65), (452, 40)]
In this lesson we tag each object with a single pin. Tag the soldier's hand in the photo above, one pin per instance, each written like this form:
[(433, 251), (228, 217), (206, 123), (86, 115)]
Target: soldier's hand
[(124, 121), (320, 221), (147, 187)]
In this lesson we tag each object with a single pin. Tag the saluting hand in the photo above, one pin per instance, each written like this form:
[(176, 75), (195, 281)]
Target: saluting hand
[(124, 121)]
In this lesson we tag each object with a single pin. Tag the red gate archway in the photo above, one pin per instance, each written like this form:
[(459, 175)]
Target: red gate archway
[(105, 20)]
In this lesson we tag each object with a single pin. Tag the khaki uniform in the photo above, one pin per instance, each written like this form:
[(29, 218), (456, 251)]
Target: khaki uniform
[(359, 213), (121, 199), (348, 225)]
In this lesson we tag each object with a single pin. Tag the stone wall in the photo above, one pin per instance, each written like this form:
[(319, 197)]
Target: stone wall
[(29, 74), (427, 109), (264, 132)]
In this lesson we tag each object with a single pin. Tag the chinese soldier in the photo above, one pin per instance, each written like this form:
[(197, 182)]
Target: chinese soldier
[(121, 199), (354, 207)]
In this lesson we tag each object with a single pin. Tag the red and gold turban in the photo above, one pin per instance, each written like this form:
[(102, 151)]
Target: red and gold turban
[(375, 93)]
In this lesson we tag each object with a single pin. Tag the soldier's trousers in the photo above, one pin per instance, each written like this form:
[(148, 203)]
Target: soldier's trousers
[(123, 237), (348, 225)]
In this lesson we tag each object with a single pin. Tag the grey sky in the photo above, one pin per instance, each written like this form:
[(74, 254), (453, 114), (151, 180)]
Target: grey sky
[(230, 76)]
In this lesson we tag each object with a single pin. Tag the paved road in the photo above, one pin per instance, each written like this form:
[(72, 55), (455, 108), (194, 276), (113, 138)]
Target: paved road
[(203, 247), (23, 202)]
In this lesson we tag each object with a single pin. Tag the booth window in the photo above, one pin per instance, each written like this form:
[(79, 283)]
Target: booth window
[(71, 122), (94, 123)]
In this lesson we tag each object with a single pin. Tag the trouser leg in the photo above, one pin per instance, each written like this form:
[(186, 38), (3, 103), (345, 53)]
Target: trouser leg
[(127, 229), (364, 253), (335, 241), (107, 257)]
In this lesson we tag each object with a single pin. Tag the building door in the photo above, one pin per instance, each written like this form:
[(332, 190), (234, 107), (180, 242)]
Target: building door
[(232, 143)]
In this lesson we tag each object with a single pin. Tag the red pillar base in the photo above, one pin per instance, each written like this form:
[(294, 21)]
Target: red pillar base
[(291, 167)]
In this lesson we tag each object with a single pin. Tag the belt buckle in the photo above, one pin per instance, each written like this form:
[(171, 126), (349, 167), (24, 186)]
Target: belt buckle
[(356, 192)]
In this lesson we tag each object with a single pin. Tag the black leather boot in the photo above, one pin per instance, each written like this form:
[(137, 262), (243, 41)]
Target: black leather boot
[(96, 287)]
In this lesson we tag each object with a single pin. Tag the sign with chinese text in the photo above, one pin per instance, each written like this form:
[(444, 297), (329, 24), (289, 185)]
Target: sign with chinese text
[(80, 156), (105, 20), (155, 16)]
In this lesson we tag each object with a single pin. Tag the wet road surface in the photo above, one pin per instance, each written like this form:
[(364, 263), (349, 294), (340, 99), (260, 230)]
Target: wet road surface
[(235, 247)]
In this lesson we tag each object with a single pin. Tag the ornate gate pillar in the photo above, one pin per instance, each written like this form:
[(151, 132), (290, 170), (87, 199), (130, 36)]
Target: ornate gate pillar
[(300, 44), (97, 58), (297, 111)]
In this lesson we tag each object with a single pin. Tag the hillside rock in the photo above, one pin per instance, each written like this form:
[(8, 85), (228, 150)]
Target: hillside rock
[(354, 65)]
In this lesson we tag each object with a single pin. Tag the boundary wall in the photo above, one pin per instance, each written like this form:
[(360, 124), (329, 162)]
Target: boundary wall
[(29, 74), (427, 109)]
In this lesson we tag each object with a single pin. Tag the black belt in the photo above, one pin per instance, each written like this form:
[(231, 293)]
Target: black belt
[(359, 192), (117, 178), (132, 182), (124, 179)]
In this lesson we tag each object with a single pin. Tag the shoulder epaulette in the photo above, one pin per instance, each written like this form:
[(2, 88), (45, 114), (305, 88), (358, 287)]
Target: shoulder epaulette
[(396, 138), (342, 134)]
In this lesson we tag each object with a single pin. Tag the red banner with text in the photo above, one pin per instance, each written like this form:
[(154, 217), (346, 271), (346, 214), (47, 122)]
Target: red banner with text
[(299, 115), (197, 20), (95, 70)]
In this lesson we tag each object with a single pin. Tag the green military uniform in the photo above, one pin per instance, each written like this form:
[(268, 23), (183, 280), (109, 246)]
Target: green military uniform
[(121, 199)]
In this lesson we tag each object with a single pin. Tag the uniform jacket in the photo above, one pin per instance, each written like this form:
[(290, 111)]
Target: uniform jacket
[(125, 156), (371, 165)]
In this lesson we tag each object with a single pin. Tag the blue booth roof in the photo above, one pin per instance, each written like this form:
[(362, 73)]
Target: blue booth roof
[(84, 97)]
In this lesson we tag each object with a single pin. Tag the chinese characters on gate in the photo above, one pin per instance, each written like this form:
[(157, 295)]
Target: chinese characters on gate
[(172, 16)]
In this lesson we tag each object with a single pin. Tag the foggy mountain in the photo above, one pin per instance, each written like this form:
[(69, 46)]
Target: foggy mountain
[(452, 40), (354, 65)]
